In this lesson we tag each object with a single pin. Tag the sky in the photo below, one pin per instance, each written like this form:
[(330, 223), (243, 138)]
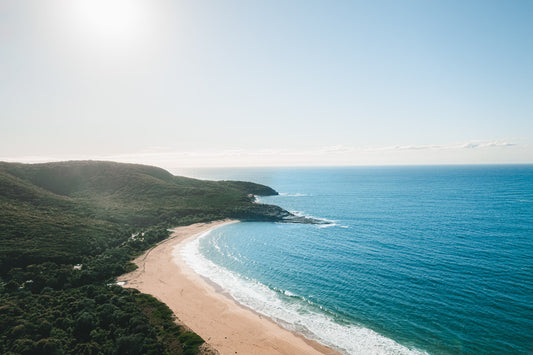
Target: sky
[(267, 83)]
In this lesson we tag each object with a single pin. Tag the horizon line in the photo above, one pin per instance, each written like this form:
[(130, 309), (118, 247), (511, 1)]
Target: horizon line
[(10, 160)]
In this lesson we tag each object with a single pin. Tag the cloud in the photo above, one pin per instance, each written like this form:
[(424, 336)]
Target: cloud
[(403, 148), (337, 149), (487, 144), (474, 144), (335, 154)]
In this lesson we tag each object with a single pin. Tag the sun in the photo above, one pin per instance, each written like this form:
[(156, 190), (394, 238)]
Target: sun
[(110, 23)]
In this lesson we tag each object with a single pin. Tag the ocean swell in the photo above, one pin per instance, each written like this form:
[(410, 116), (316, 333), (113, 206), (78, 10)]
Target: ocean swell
[(291, 311)]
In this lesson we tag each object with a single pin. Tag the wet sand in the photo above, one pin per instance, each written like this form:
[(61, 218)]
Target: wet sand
[(219, 320)]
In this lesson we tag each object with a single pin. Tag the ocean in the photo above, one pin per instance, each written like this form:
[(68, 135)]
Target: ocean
[(435, 259)]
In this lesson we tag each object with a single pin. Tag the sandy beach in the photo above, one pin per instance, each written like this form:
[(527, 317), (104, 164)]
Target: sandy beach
[(218, 319)]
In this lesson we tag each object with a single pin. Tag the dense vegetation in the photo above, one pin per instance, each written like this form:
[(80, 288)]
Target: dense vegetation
[(56, 215), (61, 211), (56, 309)]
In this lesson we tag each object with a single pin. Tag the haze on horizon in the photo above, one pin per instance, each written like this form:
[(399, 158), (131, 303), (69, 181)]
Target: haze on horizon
[(249, 83)]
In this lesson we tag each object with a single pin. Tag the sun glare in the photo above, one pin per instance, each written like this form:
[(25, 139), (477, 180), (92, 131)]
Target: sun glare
[(110, 23)]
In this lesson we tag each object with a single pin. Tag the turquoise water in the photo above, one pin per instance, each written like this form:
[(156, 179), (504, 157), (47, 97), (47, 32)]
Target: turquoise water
[(417, 259)]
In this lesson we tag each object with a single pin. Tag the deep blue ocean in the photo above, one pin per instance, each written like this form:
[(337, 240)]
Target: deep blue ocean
[(434, 260)]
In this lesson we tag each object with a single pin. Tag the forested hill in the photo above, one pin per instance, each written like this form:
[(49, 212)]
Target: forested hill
[(68, 229), (60, 211)]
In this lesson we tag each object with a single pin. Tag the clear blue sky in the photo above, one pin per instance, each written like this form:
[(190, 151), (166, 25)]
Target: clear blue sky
[(193, 83)]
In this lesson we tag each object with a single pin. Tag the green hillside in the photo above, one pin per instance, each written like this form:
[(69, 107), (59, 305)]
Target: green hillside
[(55, 215), (59, 211)]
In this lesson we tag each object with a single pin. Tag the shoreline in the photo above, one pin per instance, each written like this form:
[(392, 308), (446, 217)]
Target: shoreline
[(224, 324)]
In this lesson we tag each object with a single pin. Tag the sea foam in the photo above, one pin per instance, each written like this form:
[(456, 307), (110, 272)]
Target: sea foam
[(288, 194), (291, 311)]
